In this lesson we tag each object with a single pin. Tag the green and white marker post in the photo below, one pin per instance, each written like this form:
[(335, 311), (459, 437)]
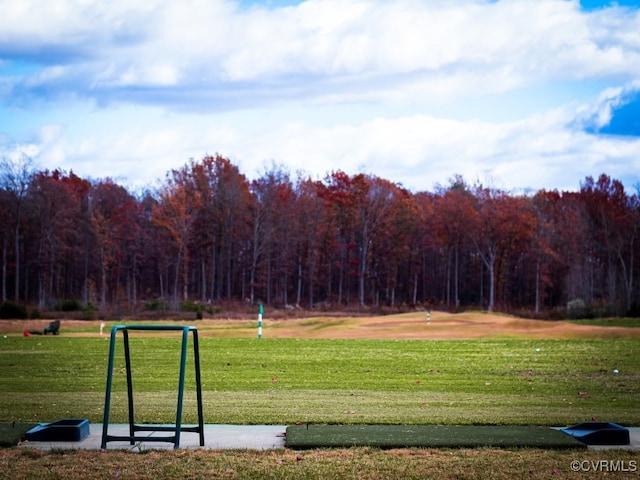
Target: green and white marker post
[(260, 312)]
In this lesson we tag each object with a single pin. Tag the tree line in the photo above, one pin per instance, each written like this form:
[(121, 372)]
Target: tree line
[(207, 234)]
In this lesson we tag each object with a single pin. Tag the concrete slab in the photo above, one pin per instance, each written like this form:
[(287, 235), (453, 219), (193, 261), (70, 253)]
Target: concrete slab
[(255, 437)]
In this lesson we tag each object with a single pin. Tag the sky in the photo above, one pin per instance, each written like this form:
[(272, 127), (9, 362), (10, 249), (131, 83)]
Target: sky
[(520, 95)]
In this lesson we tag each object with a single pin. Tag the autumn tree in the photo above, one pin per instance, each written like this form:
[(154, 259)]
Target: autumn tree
[(264, 210), (15, 177), (393, 266), (337, 192), (373, 199), (315, 229), (452, 209), (113, 220), (56, 209), (544, 248), (220, 202), (360, 205), (175, 215), (423, 245), (6, 233), (615, 224), (274, 234), (152, 250), (498, 225)]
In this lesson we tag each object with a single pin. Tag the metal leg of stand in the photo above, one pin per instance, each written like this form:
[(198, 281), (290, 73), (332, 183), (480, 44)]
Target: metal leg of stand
[(107, 396), (196, 361), (127, 361)]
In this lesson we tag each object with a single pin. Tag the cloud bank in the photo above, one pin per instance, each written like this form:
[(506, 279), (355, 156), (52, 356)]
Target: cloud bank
[(532, 94)]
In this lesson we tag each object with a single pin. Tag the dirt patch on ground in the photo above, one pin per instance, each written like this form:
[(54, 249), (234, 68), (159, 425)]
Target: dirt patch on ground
[(445, 326)]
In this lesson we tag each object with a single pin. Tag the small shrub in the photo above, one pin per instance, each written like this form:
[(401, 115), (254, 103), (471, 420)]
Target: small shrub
[(188, 306), (89, 311), (11, 311), (70, 305), (155, 305), (35, 314), (578, 309)]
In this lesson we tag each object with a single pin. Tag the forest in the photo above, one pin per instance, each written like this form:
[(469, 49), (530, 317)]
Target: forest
[(206, 235)]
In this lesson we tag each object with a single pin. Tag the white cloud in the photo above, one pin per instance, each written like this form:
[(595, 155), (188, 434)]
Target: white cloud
[(419, 151), (347, 45), (409, 90)]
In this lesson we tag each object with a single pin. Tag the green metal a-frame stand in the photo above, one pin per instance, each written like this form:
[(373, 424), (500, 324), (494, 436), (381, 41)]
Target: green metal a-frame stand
[(133, 427)]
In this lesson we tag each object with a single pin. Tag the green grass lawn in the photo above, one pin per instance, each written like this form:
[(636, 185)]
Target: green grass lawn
[(284, 381)]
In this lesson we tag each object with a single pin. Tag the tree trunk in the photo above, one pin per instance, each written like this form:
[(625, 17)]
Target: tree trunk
[(103, 280), (16, 246), (415, 288), (4, 270), (362, 270), (203, 280), (299, 280), (456, 277), (177, 276), (537, 306)]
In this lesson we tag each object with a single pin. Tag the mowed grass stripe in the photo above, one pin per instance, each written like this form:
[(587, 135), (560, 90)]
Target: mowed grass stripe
[(493, 381), (325, 406)]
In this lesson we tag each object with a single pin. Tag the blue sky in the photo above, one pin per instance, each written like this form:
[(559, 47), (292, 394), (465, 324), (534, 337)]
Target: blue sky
[(517, 94)]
